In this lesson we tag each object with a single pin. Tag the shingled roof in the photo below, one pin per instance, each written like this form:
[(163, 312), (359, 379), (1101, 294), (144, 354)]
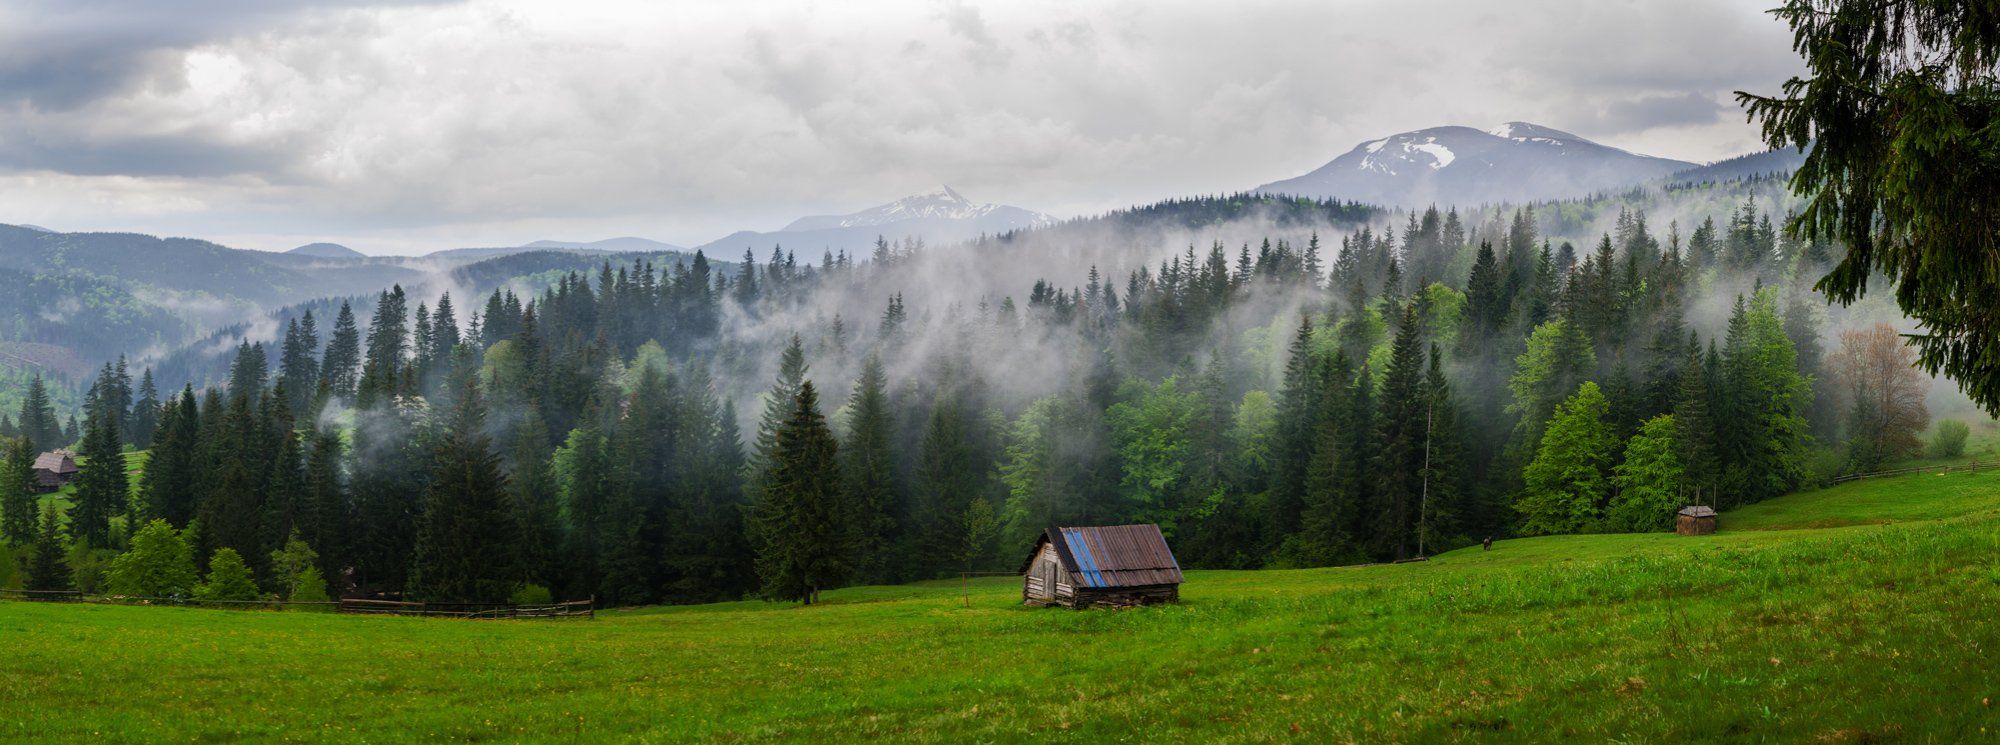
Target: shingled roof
[(1114, 555), (56, 461)]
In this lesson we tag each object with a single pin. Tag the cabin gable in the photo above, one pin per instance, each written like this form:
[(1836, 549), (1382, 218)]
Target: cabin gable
[(1120, 565)]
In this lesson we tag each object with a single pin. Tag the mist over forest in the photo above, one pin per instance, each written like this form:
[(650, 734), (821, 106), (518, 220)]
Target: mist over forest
[(1275, 381)]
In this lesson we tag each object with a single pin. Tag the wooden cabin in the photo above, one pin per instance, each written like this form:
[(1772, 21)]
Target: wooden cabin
[(1695, 520), (53, 469), (1111, 566)]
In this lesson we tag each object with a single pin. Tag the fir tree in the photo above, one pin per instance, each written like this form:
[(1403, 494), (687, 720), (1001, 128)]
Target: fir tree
[(38, 417), (298, 370), (287, 509), (949, 472), (388, 341), (167, 488), (1443, 514), (145, 414), (102, 488), (343, 355), (325, 507), (580, 466), (48, 566), (778, 404), (532, 493), (796, 526), (869, 492), (17, 495), (1402, 426), (1559, 358), (1300, 419), (466, 538), (1324, 536), (1694, 426), (248, 372)]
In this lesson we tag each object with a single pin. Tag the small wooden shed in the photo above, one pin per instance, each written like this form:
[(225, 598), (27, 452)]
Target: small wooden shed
[(53, 469), (1695, 520), (1113, 566)]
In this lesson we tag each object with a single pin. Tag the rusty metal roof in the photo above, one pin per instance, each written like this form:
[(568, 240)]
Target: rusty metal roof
[(1115, 555)]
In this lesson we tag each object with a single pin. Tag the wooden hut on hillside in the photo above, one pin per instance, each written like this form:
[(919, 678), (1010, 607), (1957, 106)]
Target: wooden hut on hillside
[(53, 469), (1114, 566), (1695, 520)]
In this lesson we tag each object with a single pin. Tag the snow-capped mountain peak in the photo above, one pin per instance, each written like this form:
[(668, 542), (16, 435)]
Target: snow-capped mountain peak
[(942, 203), (1526, 132), (1410, 148), (1513, 162)]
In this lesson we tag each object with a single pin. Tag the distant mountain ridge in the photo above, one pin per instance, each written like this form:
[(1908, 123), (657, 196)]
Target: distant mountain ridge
[(1767, 163), (327, 251), (1453, 165), (939, 216), (101, 294), (622, 243), (943, 204)]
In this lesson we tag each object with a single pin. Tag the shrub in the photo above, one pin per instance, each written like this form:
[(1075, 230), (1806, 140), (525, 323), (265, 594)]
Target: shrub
[(532, 594), (289, 565), (159, 564), (1649, 480), (228, 578), (88, 567), (309, 587), (10, 570), (1950, 439), (1823, 464)]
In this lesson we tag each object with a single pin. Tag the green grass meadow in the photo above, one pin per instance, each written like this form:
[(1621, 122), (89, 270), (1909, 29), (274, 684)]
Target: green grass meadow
[(1860, 613)]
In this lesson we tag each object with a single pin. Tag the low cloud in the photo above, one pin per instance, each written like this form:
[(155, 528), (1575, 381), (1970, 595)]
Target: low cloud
[(407, 126), (1648, 112)]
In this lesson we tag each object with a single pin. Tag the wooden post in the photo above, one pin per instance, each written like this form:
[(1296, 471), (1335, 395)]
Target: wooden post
[(1424, 502)]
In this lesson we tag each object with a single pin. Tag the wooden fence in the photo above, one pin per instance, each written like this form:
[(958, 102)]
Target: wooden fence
[(573, 609), (1962, 467), (49, 596)]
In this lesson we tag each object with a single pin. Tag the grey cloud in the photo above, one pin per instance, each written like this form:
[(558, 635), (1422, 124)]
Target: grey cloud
[(68, 53), (192, 155), (259, 117), (965, 22), (1596, 47), (1647, 112)]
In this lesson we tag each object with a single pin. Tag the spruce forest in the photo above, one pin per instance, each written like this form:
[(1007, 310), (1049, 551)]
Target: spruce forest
[(1343, 389)]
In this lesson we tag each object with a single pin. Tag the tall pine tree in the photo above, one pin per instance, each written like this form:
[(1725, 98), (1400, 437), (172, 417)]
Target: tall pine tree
[(801, 539)]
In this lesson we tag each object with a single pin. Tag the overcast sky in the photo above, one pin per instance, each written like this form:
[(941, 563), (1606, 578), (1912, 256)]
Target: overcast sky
[(403, 127)]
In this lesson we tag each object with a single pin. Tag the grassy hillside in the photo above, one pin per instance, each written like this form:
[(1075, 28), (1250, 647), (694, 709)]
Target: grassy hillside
[(1861, 612), (135, 470)]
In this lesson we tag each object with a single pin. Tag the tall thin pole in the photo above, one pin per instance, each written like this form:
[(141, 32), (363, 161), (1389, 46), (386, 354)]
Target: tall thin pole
[(1424, 501)]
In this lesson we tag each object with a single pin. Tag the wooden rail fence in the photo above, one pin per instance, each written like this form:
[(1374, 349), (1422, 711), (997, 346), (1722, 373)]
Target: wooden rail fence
[(572, 609), (1962, 467)]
